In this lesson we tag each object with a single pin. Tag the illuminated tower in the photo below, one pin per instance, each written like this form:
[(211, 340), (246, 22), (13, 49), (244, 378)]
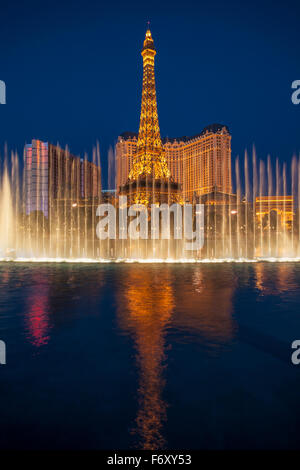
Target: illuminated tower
[(150, 157), (149, 178)]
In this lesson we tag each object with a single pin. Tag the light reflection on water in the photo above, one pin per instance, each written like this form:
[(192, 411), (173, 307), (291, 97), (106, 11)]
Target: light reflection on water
[(145, 310), (150, 306), (157, 308)]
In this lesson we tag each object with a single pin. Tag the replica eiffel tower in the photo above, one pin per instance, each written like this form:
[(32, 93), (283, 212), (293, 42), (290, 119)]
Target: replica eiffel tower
[(149, 178)]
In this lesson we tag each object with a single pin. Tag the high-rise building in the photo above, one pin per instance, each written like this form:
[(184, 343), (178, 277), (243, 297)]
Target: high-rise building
[(201, 164), (37, 177), (147, 178), (53, 174)]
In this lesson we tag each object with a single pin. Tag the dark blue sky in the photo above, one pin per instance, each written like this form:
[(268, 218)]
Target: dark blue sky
[(73, 71)]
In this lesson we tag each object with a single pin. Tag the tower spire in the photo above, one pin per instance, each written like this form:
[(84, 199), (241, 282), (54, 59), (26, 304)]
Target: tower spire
[(150, 157)]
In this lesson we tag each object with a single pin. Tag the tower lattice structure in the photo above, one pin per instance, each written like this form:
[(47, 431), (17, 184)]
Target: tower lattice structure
[(150, 157)]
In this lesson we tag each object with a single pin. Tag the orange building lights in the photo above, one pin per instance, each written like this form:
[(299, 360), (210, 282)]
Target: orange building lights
[(149, 159), (201, 164)]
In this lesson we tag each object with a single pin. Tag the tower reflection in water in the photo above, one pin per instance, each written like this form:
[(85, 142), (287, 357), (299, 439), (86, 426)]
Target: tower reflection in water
[(145, 310), (160, 308), (154, 303)]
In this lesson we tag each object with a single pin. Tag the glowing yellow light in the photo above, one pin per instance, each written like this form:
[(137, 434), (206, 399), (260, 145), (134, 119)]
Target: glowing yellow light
[(150, 157)]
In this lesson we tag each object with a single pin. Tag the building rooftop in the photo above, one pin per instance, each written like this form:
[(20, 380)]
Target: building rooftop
[(212, 128)]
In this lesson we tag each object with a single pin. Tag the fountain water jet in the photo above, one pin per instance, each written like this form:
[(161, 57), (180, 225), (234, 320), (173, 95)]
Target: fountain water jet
[(7, 217), (260, 222)]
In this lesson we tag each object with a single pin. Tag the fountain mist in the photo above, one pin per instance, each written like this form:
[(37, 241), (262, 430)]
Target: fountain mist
[(259, 221)]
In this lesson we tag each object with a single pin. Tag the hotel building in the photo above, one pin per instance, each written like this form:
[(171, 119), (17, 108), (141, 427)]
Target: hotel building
[(201, 164), (53, 174)]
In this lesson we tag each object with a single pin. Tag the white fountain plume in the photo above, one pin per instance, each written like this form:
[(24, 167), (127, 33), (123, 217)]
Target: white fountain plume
[(262, 223), (7, 219)]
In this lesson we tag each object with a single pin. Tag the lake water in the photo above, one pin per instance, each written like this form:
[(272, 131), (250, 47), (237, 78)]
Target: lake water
[(123, 356)]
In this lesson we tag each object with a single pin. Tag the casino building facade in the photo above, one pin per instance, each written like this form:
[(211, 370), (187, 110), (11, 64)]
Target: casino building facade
[(200, 164), (54, 176)]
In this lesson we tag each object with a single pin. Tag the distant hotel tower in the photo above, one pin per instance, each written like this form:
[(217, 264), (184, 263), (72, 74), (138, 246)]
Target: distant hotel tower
[(54, 175), (199, 165)]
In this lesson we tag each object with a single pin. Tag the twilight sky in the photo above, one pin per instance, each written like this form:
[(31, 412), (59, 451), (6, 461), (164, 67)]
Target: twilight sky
[(73, 71)]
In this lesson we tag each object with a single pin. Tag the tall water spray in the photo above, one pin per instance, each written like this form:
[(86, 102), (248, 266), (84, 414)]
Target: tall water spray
[(260, 221), (7, 216)]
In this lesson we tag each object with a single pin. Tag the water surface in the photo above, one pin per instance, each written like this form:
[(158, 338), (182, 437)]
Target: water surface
[(120, 356)]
